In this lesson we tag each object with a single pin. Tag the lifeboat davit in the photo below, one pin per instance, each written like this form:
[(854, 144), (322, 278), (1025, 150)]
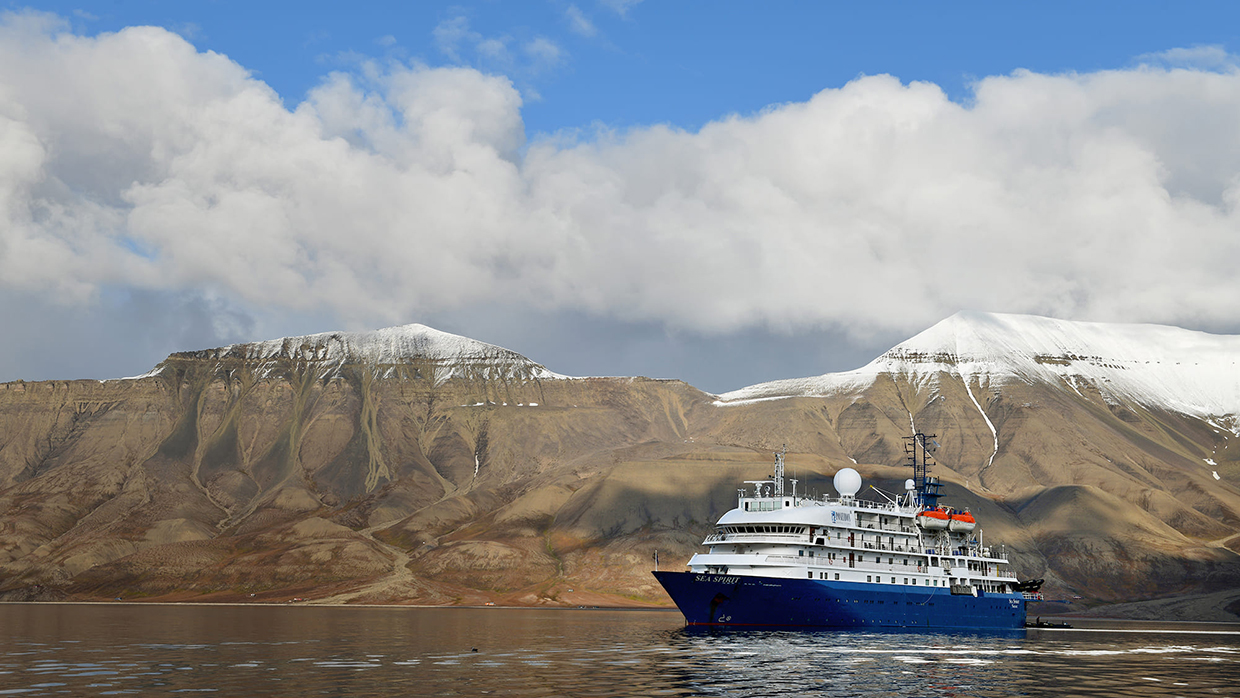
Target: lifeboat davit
[(962, 522), (933, 519)]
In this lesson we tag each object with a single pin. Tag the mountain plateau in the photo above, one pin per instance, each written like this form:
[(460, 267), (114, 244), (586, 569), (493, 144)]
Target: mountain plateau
[(408, 465)]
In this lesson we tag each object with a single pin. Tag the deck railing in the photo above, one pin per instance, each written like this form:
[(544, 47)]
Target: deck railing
[(805, 539), (820, 561), (729, 537)]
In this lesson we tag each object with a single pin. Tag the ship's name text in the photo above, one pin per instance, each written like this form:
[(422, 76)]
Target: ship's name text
[(716, 579)]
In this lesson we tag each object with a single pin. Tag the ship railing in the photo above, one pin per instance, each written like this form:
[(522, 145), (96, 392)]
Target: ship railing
[(822, 561), (867, 504), (890, 548), (728, 537), (888, 528), (1032, 595)]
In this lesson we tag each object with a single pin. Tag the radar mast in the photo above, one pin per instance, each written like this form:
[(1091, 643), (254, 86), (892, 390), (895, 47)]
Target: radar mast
[(779, 471), (928, 489)]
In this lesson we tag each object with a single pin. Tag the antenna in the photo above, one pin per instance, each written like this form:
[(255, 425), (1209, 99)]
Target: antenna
[(779, 471), (882, 494)]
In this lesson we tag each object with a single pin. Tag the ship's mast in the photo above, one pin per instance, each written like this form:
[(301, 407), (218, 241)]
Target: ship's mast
[(779, 472), (918, 451)]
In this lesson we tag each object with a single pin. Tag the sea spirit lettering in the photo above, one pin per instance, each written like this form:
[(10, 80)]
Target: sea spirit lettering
[(841, 516), (716, 579)]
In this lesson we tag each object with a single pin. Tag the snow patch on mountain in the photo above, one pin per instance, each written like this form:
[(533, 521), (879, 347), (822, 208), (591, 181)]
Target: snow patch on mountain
[(1154, 365), (452, 354)]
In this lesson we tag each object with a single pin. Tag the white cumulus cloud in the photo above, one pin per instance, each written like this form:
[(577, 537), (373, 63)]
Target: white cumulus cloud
[(399, 190)]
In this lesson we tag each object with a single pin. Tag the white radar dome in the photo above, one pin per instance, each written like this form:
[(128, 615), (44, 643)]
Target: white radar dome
[(847, 482), (908, 485)]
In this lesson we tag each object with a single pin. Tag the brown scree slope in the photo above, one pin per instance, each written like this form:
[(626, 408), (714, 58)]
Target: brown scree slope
[(222, 477)]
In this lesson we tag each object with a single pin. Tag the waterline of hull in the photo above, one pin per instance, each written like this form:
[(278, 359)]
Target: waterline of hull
[(734, 600)]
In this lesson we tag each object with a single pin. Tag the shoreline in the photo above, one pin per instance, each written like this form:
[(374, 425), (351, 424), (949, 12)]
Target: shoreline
[(305, 604), (1080, 617)]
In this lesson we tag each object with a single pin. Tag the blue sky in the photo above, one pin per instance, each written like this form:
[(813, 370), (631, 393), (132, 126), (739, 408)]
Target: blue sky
[(683, 63), (715, 191)]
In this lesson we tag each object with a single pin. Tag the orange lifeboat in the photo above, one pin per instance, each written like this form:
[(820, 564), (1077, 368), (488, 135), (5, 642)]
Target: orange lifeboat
[(933, 519), (962, 522)]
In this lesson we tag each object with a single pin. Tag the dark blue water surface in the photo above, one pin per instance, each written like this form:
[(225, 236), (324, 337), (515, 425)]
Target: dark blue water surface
[(155, 650)]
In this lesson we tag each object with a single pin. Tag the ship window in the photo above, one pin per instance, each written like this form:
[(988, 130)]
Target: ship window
[(914, 581), (868, 579), (893, 580), (837, 576), (905, 580)]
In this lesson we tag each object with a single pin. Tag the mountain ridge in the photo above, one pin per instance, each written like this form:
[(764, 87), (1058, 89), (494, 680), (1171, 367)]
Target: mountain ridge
[(388, 347), (1133, 361), (408, 465)]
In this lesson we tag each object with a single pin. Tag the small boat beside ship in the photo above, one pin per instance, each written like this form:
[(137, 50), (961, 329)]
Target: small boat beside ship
[(779, 559)]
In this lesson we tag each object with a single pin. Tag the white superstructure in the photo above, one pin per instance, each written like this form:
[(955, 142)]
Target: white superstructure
[(895, 542)]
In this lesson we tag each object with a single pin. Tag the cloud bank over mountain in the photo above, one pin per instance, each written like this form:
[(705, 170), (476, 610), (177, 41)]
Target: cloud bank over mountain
[(393, 191)]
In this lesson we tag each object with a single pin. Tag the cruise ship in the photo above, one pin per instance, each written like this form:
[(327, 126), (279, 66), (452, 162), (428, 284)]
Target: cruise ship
[(899, 561)]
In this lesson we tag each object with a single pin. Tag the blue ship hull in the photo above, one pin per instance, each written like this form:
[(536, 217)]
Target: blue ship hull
[(731, 600)]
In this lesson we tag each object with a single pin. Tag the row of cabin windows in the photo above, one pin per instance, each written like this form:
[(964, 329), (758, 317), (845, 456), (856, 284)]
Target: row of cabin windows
[(766, 529), (878, 579)]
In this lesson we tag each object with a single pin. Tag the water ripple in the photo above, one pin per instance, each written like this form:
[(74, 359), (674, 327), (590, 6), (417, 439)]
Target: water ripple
[(157, 650)]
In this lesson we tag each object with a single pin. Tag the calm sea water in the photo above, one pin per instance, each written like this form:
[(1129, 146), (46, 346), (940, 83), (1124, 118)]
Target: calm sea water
[(147, 650)]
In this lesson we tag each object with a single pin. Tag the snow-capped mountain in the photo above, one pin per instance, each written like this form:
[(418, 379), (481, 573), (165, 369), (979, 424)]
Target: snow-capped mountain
[(416, 458), (453, 355), (1157, 366)]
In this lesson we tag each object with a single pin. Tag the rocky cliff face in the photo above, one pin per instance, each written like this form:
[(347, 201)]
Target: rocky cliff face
[(409, 465)]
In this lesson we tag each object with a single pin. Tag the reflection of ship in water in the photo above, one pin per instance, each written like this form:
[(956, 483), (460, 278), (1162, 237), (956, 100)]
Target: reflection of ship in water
[(779, 559)]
